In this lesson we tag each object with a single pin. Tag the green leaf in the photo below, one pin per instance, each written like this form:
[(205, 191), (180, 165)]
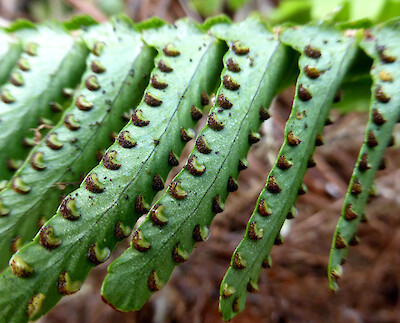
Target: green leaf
[(326, 56), (9, 52), (381, 44), (256, 61), (83, 132), (93, 218), (57, 60)]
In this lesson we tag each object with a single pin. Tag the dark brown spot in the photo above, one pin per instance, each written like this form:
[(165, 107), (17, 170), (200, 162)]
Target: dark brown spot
[(163, 67), (238, 261), (302, 190), (380, 95), (201, 234), (254, 232), (66, 286), (138, 120), (13, 164), (170, 50), (68, 209), (196, 113), (254, 137), (83, 104), (319, 141), (157, 84), (6, 97), (311, 162), (194, 167), (47, 238), (292, 139), (179, 255), (264, 115), (121, 231), (109, 160), (349, 214), (392, 141), (312, 72), (151, 100), (202, 145), (186, 134), (312, 52), (263, 208), (204, 100), (363, 165), (56, 107), (338, 96), (304, 93), (283, 163), (92, 83), (92, 184), (278, 240), (157, 183), (176, 191), (230, 84), (139, 242), (20, 268), (377, 117), (96, 67), (19, 186), (157, 215), (371, 139), (243, 164), (96, 255), (328, 121), (382, 164), (232, 66), (217, 204), (141, 206), (356, 187), (154, 282), (236, 305), (16, 79), (98, 48), (36, 161), (173, 159), (125, 140), (214, 122), (272, 185), (339, 242), (23, 64), (267, 262), (354, 241), (291, 214), (223, 102), (385, 56), (239, 49), (232, 185)]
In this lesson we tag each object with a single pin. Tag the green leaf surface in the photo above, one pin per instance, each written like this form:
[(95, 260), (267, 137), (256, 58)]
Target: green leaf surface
[(211, 170), (93, 218), (326, 56), (83, 131), (57, 60), (10, 50), (381, 44)]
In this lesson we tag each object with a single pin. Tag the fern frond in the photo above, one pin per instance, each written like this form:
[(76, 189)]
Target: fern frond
[(69, 150), (254, 66), (52, 60), (381, 44), (10, 50), (93, 218), (325, 57)]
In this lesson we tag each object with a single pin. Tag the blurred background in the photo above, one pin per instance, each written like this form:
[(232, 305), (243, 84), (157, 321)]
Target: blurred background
[(295, 289)]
